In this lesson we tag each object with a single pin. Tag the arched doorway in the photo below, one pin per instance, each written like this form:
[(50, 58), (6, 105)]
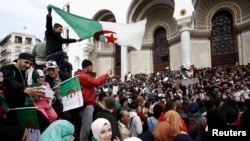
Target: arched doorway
[(117, 59), (160, 50), (224, 49)]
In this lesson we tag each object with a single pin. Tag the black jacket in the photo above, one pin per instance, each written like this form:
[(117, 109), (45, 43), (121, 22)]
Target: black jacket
[(14, 82), (54, 40)]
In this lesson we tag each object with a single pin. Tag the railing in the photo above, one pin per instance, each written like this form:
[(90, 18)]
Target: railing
[(4, 50), (2, 60), (5, 60)]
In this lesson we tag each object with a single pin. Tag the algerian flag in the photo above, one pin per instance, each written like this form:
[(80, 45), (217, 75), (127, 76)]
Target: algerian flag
[(108, 32), (190, 72), (71, 93), (184, 74), (28, 119)]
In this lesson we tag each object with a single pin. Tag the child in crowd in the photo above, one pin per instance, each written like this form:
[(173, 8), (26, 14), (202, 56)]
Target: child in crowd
[(44, 104)]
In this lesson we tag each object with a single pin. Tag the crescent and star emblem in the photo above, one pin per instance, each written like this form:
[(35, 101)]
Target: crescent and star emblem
[(69, 92), (109, 39)]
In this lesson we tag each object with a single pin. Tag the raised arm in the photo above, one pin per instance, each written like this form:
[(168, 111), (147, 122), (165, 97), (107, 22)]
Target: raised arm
[(49, 26)]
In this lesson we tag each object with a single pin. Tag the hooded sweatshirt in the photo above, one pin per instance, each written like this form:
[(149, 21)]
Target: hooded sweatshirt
[(59, 130)]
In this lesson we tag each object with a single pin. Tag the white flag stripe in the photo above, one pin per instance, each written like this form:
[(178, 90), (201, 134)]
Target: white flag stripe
[(127, 34), (72, 101)]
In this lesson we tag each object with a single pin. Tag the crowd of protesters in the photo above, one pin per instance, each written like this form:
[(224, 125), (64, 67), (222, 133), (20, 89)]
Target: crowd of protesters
[(220, 99), (160, 106), (156, 106)]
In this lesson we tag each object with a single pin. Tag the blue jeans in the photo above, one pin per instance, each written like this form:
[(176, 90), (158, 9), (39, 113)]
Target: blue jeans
[(86, 118), (59, 57)]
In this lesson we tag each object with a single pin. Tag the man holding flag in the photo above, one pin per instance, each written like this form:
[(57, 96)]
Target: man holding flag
[(54, 43), (54, 77), (108, 32), (88, 84)]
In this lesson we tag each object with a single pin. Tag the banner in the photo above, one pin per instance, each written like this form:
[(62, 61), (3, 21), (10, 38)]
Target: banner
[(191, 81), (115, 90), (71, 93)]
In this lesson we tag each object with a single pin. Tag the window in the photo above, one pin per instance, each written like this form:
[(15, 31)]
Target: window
[(117, 55), (67, 35), (28, 49), (68, 8), (28, 40), (18, 49), (161, 46), (222, 34), (18, 39), (17, 55), (224, 48)]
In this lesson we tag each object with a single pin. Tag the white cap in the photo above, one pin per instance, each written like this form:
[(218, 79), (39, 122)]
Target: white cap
[(40, 73), (132, 139)]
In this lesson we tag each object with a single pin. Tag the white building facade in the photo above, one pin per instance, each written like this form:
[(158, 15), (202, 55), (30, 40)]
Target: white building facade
[(211, 33), (15, 43), (203, 33)]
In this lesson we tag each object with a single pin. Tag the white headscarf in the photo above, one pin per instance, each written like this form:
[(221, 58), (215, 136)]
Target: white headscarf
[(97, 125), (132, 139)]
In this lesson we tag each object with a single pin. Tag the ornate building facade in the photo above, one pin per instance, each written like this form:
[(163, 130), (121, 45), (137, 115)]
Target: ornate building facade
[(207, 34), (14, 44)]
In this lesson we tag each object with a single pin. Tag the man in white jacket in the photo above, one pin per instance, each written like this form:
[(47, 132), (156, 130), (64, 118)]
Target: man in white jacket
[(135, 124)]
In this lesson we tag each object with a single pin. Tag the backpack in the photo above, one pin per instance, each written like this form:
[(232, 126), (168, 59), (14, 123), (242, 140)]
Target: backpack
[(193, 126)]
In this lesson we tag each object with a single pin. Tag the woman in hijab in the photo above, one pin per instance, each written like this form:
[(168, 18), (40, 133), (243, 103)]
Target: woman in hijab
[(101, 129)]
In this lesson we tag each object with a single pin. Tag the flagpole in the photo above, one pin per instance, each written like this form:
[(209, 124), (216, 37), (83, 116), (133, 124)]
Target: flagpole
[(22, 108), (64, 82)]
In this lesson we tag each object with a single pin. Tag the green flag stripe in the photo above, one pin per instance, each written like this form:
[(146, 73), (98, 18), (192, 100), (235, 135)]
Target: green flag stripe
[(85, 28), (69, 85), (28, 118)]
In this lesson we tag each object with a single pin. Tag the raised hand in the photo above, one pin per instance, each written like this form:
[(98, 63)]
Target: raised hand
[(49, 10)]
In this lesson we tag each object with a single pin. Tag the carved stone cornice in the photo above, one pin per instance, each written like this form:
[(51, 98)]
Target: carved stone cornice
[(105, 54), (201, 34), (243, 26), (174, 39), (145, 46), (184, 23), (88, 47)]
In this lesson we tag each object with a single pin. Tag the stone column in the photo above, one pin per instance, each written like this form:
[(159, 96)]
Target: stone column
[(184, 27), (124, 61), (183, 14), (87, 49)]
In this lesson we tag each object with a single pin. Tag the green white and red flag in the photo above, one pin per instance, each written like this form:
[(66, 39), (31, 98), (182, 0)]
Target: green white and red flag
[(28, 119), (122, 34), (71, 93)]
